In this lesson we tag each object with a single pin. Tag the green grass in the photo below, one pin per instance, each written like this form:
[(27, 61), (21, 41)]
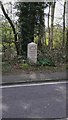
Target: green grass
[(24, 66)]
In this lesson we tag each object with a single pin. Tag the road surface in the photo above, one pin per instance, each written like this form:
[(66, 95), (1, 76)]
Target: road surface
[(46, 100)]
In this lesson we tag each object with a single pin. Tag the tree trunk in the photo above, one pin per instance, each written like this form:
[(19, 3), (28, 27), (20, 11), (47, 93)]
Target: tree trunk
[(67, 45), (13, 28), (52, 22), (49, 28), (63, 42)]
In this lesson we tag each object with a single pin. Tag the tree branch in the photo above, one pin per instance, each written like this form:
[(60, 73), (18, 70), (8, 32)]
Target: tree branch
[(13, 28)]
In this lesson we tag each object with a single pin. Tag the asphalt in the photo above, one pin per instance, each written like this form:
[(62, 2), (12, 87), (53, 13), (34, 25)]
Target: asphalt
[(33, 77), (42, 101)]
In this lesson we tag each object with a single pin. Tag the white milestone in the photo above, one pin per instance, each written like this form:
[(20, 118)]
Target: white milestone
[(32, 52)]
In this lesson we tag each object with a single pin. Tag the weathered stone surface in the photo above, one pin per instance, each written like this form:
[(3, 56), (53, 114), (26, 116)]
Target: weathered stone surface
[(32, 52)]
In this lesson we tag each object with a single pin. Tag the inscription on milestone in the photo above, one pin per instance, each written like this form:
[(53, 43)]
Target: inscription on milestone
[(32, 52)]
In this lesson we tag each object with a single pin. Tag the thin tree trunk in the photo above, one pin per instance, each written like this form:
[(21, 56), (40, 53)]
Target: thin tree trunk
[(67, 45), (63, 42), (49, 27), (52, 22), (13, 28)]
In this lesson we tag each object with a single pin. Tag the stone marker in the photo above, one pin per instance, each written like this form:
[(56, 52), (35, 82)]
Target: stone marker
[(32, 52)]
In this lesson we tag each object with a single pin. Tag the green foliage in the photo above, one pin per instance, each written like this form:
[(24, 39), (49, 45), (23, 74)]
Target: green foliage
[(51, 57), (6, 67), (36, 39), (0, 47), (45, 62), (57, 37), (47, 41), (31, 22), (6, 32), (45, 57), (24, 66), (7, 38)]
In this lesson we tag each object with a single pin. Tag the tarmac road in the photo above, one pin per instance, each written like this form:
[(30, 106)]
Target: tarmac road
[(44, 100)]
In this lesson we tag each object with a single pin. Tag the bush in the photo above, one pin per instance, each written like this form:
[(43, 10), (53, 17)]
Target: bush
[(45, 62), (51, 57), (6, 67)]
